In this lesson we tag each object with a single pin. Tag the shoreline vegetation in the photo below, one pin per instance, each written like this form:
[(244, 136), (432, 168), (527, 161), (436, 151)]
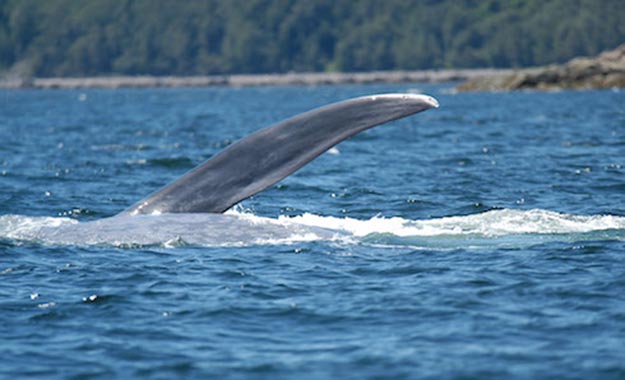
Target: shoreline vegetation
[(146, 43), (245, 80), (607, 70)]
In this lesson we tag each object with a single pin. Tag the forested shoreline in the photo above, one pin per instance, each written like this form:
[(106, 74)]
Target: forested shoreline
[(70, 38)]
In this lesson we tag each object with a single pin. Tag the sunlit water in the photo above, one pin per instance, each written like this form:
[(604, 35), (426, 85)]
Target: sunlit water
[(484, 239)]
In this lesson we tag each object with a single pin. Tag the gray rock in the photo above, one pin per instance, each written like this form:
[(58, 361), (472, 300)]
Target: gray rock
[(607, 70)]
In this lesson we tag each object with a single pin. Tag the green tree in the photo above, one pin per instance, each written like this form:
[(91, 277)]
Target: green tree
[(166, 37)]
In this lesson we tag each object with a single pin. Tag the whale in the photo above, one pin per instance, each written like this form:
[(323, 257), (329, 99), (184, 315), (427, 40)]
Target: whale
[(190, 210), (267, 156)]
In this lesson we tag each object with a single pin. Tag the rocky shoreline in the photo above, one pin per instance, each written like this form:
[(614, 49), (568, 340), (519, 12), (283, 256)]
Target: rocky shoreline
[(305, 79), (607, 70)]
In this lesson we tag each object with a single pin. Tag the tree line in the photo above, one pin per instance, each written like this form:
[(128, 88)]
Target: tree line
[(168, 37)]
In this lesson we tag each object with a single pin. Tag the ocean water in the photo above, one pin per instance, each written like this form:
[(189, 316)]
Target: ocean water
[(481, 240)]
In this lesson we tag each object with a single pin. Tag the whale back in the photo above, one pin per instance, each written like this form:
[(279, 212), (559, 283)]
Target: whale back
[(265, 157)]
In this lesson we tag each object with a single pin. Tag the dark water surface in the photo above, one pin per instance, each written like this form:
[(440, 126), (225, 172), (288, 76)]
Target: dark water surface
[(481, 240)]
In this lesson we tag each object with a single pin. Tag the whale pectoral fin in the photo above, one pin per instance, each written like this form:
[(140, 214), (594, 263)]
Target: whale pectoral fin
[(267, 156)]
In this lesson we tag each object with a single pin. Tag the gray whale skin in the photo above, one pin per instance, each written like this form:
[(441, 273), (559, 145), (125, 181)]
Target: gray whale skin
[(265, 157)]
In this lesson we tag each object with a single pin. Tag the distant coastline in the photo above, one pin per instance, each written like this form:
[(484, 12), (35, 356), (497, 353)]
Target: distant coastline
[(246, 80), (607, 70)]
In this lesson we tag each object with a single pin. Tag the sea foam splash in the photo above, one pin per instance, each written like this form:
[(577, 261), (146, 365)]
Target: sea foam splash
[(495, 228), (488, 224)]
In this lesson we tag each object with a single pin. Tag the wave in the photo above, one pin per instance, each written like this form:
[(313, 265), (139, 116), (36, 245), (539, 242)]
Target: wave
[(495, 228), (489, 224)]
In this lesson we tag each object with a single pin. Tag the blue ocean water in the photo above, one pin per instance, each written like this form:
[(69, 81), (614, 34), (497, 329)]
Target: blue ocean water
[(481, 240)]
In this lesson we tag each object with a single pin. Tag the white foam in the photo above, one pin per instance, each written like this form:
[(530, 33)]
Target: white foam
[(334, 151), (21, 227), (237, 228), (491, 223)]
